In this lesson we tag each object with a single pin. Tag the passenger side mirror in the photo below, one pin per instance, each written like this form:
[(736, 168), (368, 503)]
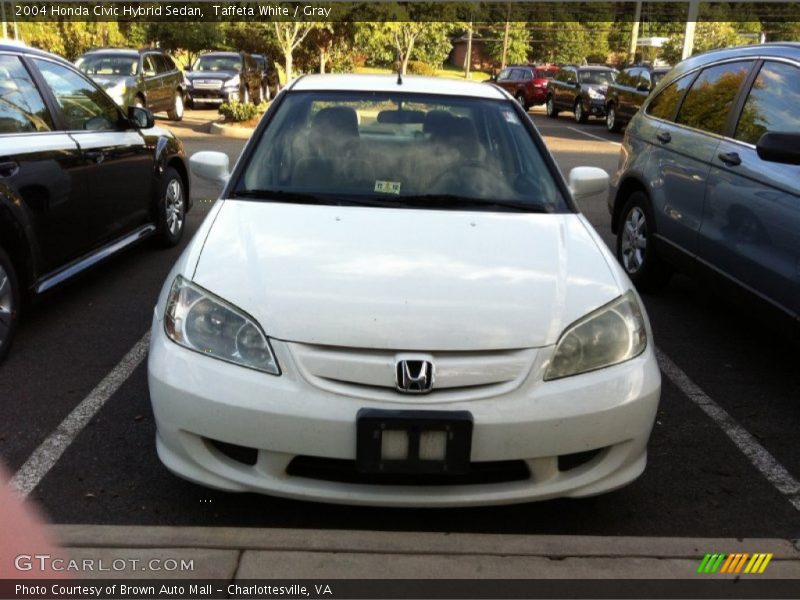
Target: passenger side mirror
[(140, 118), (643, 87), (587, 181), (213, 166), (779, 147)]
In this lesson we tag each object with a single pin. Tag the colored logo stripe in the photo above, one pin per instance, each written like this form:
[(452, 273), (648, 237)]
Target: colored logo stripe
[(720, 562)]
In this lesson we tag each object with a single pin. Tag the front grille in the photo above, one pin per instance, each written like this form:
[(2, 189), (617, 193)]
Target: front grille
[(207, 84), (344, 471)]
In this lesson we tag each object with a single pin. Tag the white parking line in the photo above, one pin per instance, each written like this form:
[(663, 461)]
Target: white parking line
[(760, 458), (591, 135), (50, 450)]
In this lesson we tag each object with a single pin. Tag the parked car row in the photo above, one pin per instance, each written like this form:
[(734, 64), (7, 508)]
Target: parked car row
[(149, 78)]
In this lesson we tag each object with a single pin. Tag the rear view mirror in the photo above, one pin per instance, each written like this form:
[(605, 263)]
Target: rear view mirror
[(587, 181), (779, 147), (213, 166)]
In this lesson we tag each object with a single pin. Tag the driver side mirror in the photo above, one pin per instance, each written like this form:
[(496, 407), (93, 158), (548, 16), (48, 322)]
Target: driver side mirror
[(587, 181), (140, 118), (213, 166), (779, 147), (643, 87)]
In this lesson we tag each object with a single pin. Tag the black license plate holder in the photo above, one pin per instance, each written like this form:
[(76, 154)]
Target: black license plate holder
[(433, 429)]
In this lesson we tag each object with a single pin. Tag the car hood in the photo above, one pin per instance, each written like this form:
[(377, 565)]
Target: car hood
[(192, 75), (598, 87), (405, 279)]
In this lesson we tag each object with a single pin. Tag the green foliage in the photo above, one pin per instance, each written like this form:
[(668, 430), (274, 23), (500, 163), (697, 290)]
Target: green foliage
[(237, 112), (708, 36), (384, 43), (194, 38), (563, 42), (518, 43), (417, 67)]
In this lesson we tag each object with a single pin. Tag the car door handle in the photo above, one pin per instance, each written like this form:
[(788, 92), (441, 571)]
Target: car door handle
[(96, 156), (664, 137), (732, 159), (8, 168)]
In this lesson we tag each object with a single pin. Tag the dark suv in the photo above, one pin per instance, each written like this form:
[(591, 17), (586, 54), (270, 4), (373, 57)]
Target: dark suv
[(527, 83), (261, 63), (581, 90), (80, 179), (145, 78), (628, 93), (225, 77)]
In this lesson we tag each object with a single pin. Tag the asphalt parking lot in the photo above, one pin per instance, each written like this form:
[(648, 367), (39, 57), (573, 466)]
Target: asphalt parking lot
[(698, 481)]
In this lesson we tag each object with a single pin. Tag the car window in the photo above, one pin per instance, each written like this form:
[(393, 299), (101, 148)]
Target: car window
[(773, 103), (389, 147), (217, 63), (596, 77), (170, 63), (161, 64), (544, 74), (504, 75), (108, 65), (149, 65), (644, 79), (21, 106), (709, 99), (569, 76), (663, 106), (658, 76), (83, 106)]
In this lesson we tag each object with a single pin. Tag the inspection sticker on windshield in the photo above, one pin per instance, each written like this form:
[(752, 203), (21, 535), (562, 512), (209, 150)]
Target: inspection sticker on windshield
[(387, 187)]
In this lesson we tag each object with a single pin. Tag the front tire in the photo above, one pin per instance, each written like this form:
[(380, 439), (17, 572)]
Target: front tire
[(580, 115), (612, 122), (550, 106), (635, 249), (9, 303), (521, 99), (171, 208), (176, 113)]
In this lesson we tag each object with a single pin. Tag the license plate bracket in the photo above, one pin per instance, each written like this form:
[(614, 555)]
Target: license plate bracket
[(434, 441)]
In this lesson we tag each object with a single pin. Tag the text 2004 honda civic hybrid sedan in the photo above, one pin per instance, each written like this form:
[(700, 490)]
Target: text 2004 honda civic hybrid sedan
[(396, 302)]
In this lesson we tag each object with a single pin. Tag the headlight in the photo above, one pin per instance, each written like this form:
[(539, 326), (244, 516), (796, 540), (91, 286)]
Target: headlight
[(234, 82), (595, 95), (608, 336), (198, 320)]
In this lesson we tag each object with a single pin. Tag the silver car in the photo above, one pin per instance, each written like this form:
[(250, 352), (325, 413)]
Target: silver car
[(709, 178)]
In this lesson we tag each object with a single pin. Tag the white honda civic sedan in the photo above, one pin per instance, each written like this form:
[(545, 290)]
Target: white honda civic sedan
[(396, 301)]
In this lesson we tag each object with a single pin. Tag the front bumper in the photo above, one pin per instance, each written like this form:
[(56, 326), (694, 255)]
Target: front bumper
[(198, 400), (217, 96), (595, 107)]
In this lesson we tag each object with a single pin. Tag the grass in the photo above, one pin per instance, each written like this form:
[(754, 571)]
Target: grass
[(447, 71)]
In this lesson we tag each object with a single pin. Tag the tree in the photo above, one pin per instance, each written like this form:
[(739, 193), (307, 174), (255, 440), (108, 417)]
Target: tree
[(193, 38), (289, 36), (708, 36), (562, 42), (518, 43), (389, 41)]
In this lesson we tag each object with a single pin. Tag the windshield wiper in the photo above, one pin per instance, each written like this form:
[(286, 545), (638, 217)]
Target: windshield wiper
[(455, 202), (304, 198)]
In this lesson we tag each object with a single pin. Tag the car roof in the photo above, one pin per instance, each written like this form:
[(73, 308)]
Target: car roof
[(21, 48), (412, 84), (774, 49), (595, 68), (116, 51), (220, 53)]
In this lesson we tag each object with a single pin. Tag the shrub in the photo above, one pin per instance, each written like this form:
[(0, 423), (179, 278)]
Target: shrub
[(237, 112), (417, 67)]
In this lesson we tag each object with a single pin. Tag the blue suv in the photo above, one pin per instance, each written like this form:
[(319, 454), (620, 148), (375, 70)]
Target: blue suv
[(709, 178)]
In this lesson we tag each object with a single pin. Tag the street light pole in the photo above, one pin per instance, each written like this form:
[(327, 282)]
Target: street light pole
[(691, 23)]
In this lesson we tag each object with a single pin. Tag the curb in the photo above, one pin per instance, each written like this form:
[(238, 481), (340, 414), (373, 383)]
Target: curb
[(231, 131), (405, 542)]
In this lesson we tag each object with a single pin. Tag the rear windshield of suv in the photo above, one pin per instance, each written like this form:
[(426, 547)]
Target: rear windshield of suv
[(400, 150), (544, 74), (108, 65)]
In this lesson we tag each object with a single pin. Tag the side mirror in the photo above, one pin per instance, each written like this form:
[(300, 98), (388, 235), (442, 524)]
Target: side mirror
[(779, 147), (643, 87), (587, 181), (213, 166), (187, 67), (141, 118)]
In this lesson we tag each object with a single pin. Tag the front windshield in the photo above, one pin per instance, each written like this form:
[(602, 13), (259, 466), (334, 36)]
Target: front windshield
[(218, 63), (108, 65), (597, 77), (400, 150)]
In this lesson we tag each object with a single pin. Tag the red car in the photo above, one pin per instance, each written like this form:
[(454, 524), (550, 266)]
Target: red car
[(527, 83)]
